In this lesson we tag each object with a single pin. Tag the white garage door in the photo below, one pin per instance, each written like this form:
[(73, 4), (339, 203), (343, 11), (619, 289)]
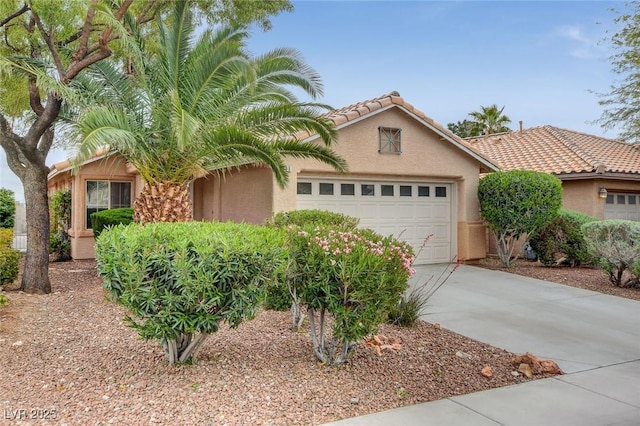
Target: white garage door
[(411, 211), (622, 206)]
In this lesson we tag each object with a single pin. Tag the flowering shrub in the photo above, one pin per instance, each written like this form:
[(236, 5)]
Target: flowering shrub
[(356, 277)]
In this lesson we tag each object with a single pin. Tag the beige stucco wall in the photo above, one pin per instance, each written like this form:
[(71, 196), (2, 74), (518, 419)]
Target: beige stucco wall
[(582, 195), (424, 157), (240, 195)]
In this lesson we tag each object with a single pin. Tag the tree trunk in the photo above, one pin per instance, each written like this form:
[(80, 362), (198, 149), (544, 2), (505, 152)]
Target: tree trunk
[(163, 202), (35, 276)]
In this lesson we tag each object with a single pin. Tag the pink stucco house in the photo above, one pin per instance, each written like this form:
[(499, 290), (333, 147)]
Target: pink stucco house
[(409, 177), (600, 177)]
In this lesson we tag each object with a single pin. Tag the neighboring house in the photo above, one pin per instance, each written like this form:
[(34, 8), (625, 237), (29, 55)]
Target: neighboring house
[(600, 177), (409, 177)]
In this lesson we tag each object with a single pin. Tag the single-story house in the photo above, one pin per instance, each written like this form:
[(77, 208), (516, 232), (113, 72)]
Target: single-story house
[(600, 177), (409, 177)]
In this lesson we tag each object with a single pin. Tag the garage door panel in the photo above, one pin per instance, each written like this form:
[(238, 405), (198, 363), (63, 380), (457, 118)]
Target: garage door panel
[(622, 206), (410, 217)]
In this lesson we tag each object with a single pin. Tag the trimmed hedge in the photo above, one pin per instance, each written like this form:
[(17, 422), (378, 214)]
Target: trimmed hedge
[(106, 218), (563, 238), (515, 204), (313, 217), (181, 281)]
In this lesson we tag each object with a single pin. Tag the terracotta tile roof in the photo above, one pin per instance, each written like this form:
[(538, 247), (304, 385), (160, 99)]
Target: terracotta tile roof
[(558, 151), (343, 116)]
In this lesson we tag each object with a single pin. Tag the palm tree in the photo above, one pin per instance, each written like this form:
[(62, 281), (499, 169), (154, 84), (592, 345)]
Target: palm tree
[(200, 107), (491, 119)]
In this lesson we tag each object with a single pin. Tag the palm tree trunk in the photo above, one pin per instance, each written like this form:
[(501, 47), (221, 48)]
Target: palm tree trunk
[(163, 202)]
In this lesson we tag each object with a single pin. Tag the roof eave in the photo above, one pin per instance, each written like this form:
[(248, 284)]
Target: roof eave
[(593, 175)]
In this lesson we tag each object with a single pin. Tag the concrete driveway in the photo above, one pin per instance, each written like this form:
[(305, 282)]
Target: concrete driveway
[(595, 338)]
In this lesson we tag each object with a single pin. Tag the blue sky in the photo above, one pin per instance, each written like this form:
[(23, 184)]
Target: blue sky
[(538, 59)]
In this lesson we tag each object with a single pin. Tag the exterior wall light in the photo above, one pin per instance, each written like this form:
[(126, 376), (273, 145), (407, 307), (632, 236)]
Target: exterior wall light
[(602, 192)]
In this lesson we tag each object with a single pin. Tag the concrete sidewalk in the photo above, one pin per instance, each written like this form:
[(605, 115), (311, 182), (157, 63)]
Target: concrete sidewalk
[(595, 338)]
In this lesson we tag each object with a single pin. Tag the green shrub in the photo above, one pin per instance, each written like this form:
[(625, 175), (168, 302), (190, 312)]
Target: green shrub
[(59, 241), (105, 218), (281, 296), (517, 203), (337, 221), (9, 265), (357, 277), (563, 237), (9, 258), (181, 281), (616, 243), (7, 208), (6, 238), (3, 299)]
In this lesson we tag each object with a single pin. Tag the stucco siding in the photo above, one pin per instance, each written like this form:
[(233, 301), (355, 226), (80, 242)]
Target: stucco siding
[(242, 195)]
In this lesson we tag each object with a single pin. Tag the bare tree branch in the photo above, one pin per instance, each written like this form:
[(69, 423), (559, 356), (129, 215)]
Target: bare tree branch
[(22, 10), (48, 38), (86, 31), (106, 36)]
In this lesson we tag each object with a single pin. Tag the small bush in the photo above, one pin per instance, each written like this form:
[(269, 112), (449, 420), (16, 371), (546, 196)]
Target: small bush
[(616, 243), (106, 218), (563, 238), (356, 277), (6, 238), (281, 296), (3, 299), (181, 281), (59, 241), (7, 208), (9, 258)]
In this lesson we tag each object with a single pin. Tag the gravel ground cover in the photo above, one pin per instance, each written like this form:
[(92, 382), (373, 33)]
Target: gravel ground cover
[(69, 358)]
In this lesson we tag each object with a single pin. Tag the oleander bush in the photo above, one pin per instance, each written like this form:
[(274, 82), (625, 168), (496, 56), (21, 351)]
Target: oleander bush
[(181, 281), (562, 239), (105, 218), (616, 244), (353, 277), (282, 296)]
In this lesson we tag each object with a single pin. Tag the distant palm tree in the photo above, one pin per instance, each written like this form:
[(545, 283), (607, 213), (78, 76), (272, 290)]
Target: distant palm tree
[(203, 107), (491, 119)]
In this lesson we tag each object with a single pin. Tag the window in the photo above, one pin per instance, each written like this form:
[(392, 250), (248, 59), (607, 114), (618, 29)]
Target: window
[(423, 191), (389, 141), (609, 199), (326, 188), (347, 189), (405, 191), (632, 199), (367, 190), (105, 195), (304, 188), (621, 199), (386, 190), (441, 191)]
